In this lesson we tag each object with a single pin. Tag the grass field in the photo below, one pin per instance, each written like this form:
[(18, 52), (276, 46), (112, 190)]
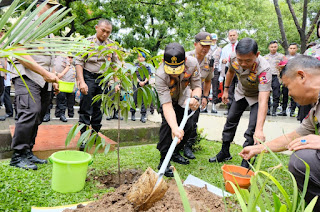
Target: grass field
[(21, 189)]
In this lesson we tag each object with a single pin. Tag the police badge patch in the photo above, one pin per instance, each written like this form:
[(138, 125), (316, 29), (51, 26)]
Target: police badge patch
[(263, 78)]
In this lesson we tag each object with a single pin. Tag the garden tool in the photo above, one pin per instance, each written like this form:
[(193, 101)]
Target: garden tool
[(254, 160), (151, 187)]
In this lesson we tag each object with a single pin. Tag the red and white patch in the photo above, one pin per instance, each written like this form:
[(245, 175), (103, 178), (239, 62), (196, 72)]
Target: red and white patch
[(263, 78)]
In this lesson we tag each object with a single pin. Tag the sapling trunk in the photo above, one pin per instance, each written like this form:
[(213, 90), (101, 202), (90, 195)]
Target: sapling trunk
[(118, 148)]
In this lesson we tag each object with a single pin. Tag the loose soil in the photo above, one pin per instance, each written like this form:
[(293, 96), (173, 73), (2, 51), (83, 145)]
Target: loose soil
[(240, 175), (200, 198)]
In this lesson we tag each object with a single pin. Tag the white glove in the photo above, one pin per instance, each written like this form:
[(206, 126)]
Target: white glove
[(221, 79)]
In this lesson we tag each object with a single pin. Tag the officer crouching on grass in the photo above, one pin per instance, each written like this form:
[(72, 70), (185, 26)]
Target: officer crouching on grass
[(253, 89), (301, 76), (174, 78)]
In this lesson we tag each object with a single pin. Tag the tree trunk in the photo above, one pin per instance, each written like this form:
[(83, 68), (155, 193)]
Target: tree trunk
[(284, 42)]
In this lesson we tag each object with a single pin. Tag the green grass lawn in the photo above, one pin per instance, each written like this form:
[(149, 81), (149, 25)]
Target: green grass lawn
[(21, 189)]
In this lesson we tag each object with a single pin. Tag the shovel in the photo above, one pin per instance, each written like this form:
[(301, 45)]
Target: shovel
[(151, 187)]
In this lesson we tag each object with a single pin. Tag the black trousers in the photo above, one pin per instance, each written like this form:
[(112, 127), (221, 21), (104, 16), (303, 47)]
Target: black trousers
[(234, 115), (1, 85), (165, 138), (215, 87), (90, 114), (285, 97), (7, 101), (298, 169), (193, 135), (64, 101), (30, 113), (143, 110), (232, 87), (275, 84)]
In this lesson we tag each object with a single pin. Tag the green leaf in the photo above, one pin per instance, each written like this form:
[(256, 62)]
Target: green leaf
[(311, 205), (276, 202), (183, 194), (106, 149), (84, 138), (70, 134)]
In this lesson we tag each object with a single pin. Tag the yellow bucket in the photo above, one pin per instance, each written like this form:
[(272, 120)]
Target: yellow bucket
[(66, 87)]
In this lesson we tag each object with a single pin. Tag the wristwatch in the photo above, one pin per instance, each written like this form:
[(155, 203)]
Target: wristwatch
[(196, 97)]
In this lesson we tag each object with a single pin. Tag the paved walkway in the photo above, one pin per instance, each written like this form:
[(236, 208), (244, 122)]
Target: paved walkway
[(212, 123)]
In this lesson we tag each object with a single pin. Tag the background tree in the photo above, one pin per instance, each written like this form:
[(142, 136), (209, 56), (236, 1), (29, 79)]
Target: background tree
[(301, 12)]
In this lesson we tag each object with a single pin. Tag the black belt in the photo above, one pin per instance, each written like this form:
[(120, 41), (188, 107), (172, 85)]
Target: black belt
[(93, 75)]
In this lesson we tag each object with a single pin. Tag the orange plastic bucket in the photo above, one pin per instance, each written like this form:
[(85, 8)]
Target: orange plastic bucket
[(237, 175)]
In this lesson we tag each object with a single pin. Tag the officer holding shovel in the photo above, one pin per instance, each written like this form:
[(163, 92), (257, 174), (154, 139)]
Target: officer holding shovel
[(301, 76), (253, 89), (174, 78)]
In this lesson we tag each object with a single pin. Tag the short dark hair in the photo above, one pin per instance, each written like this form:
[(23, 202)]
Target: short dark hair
[(302, 62), (272, 42), (247, 45), (103, 20), (294, 44)]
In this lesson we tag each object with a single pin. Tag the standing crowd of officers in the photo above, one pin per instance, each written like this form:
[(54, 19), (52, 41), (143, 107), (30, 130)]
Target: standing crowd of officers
[(248, 80)]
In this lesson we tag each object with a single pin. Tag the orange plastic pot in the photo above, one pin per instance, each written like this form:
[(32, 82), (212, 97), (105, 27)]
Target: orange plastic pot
[(236, 175)]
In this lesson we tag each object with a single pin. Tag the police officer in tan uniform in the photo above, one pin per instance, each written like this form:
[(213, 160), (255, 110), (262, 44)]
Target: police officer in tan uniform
[(274, 59), (37, 76), (214, 55), (202, 45), (302, 76), (174, 78), (88, 73), (67, 73), (253, 89)]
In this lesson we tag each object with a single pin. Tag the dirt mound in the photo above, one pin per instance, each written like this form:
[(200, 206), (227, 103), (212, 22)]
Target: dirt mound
[(200, 200)]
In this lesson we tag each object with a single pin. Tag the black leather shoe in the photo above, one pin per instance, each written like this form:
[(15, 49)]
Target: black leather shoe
[(133, 117), (20, 160), (63, 118), (2, 118), (204, 111), (34, 159), (46, 118), (168, 172), (82, 146), (143, 118), (116, 116), (188, 152), (245, 164), (176, 157), (220, 157)]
